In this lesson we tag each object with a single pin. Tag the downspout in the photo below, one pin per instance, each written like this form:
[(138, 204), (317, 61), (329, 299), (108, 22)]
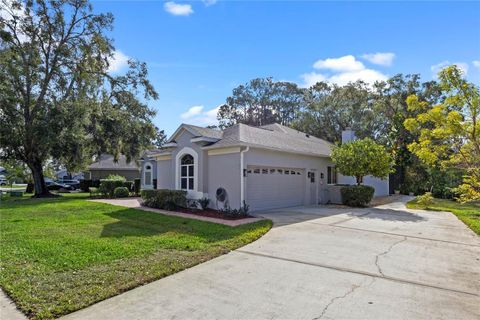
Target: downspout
[(242, 178)]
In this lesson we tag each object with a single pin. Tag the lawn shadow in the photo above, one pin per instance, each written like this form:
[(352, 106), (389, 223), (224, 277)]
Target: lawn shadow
[(24, 202), (302, 214)]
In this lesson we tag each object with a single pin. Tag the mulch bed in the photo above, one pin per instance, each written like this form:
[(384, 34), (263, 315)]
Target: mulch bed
[(211, 213)]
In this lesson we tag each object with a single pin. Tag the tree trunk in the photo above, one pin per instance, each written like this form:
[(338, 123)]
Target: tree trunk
[(41, 190), (359, 180)]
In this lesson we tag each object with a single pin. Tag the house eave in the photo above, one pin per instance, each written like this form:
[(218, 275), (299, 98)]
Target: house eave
[(252, 145)]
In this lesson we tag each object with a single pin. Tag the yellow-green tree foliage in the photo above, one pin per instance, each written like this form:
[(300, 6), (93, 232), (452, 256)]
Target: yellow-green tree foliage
[(449, 132)]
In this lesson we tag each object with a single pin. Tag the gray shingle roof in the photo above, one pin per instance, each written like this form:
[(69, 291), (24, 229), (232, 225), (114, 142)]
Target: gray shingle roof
[(205, 132), (275, 137), (106, 162)]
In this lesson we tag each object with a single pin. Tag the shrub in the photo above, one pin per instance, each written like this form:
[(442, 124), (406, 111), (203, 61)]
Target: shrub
[(116, 177), (236, 213), (107, 187), (85, 184), (136, 186), (204, 202), (93, 191), (121, 192), (164, 199), (425, 199), (128, 185), (357, 196)]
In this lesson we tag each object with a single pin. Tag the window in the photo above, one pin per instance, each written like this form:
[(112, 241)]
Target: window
[(280, 171), (264, 171), (331, 175), (147, 175), (272, 171), (256, 170), (187, 172)]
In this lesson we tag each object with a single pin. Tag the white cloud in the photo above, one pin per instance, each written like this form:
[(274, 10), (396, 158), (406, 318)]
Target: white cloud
[(192, 112), (345, 63), (380, 58), (341, 71), (476, 63), (196, 115), (118, 61), (178, 9), (209, 2), (439, 66), (309, 79)]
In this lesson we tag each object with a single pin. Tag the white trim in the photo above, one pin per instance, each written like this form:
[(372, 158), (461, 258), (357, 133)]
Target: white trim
[(163, 157), (180, 154), (256, 146), (169, 145), (242, 178), (216, 152), (203, 139), (147, 186)]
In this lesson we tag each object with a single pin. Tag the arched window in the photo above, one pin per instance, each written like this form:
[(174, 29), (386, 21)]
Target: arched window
[(147, 175), (187, 172)]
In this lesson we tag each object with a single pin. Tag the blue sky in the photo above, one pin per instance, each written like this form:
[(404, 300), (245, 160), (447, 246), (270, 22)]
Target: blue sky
[(198, 51)]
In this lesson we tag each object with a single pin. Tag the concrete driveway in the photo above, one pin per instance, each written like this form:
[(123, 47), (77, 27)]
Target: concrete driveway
[(321, 263)]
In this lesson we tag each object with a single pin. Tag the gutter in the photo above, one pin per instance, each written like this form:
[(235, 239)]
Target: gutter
[(242, 178)]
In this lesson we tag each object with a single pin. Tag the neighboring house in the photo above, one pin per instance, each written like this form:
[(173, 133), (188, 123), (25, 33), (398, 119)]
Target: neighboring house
[(64, 174), (106, 166), (268, 167)]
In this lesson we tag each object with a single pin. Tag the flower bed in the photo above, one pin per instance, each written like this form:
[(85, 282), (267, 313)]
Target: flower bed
[(212, 213)]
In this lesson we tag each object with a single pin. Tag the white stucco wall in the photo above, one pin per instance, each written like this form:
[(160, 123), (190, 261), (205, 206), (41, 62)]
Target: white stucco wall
[(266, 158), (224, 171), (381, 186)]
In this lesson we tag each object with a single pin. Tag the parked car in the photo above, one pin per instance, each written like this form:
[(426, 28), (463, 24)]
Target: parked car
[(52, 185), (75, 184), (3, 181)]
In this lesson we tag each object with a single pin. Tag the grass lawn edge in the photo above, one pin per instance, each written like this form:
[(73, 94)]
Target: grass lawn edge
[(468, 213), (253, 231)]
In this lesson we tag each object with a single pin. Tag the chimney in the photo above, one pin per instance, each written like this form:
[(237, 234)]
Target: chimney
[(348, 135)]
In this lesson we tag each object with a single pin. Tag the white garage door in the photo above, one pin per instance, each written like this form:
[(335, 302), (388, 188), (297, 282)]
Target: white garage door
[(270, 188)]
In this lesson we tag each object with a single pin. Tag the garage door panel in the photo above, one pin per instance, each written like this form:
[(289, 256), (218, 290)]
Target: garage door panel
[(269, 188)]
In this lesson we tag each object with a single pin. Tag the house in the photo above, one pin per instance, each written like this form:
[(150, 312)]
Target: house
[(268, 167), (62, 173), (105, 166)]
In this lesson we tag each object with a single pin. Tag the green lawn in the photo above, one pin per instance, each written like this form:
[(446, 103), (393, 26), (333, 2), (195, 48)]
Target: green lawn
[(469, 213), (60, 255)]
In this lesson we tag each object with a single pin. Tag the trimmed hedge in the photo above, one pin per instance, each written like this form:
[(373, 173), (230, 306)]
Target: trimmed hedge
[(136, 186), (121, 192), (164, 199), (107, 187), (357, 196), (85, 185), (128, 185)]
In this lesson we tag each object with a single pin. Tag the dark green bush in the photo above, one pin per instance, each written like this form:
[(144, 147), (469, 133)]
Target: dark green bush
[(164, 199), (121, 192), (357, 196), (86, 184), (204, 202), (128, 185), (107, 187), (136, 186), (242, 212)]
